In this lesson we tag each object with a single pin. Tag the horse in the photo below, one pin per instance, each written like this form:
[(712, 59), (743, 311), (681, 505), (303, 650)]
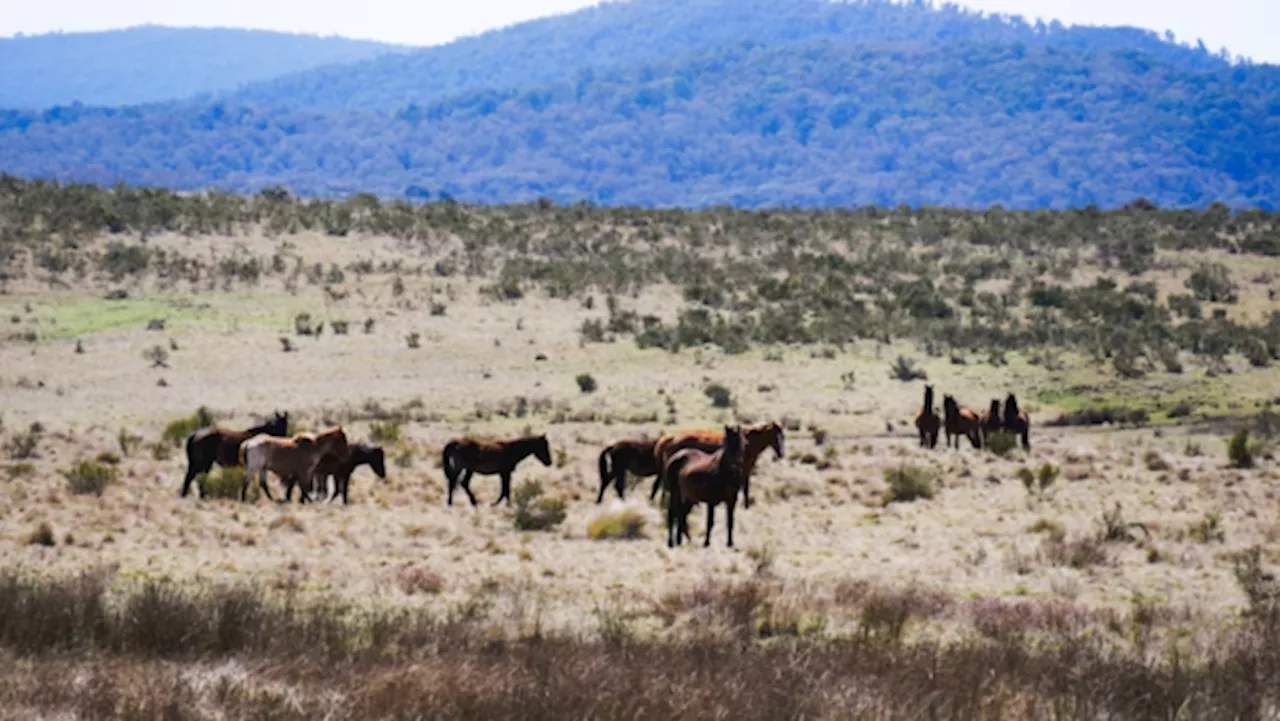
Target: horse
[(927, 421), (1016, 421), (695, 476), (636, 457), (991, 422), (362, 454), (213, 444), (466, 456), (959, 421), (298, 456), (756, 439)]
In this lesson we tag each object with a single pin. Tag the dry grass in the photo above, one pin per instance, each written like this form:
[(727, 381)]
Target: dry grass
[(432, 592)]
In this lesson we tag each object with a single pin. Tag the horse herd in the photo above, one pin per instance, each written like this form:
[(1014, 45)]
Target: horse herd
[(960, 422), (692, 467)]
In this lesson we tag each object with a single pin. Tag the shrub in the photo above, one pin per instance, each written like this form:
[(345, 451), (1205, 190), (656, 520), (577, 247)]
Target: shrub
[(586, 383), (224, 483), (1001, 443), (908, 483), (1212, 282), (42, 535), (157, 356), (1116, 529), (128, 442), (388, 431), (414, 340), (416, 579), (719, 395), (25, 444), (625, 525), (1154, 461), (88, 476), (1260, 586), (1075, 553), (1208, 529), (533, 511), (1239, 451), (904, 369), (176, 432)]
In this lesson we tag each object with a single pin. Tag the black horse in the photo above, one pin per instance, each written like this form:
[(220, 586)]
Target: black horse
[(207, 446)]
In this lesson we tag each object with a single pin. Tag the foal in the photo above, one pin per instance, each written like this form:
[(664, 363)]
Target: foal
[(927, 421), (961, 422), (466, 456), (693, 476), (297, 456), (362, 454), (636, 457)]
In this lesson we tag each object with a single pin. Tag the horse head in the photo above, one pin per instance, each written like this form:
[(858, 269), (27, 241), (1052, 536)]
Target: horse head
[(928, 398), (1011, 411), (995, 408), (542, 450), (733, 440), (279, 425), (377, 459), (950, 407)]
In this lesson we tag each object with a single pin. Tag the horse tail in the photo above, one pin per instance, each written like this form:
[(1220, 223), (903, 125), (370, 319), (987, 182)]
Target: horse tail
[(449, 463), (243, 454), (605, 456)]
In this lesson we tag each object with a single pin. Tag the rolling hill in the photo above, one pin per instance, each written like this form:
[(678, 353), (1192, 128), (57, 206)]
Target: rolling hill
[(152, 64), (809, 104), (627, 34)]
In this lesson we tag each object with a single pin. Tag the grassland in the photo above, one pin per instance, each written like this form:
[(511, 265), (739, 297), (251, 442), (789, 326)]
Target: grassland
[(398, 606)]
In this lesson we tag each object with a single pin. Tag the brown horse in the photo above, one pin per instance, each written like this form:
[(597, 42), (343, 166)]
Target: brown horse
[(757, 439), (695, 476), (927, 421), (362, 454), (466, 456), (991, 422), (298, 456), (210, 445), (1016, 421), (636, 457), (959, 422)]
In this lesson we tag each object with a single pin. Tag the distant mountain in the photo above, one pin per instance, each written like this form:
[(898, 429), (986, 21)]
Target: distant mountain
[(634, 32), (150, 63), (818, 122)]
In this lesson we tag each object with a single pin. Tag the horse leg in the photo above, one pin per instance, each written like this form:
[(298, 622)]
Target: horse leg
[(673, 518), (1026, 438), (506, 489), (729, 514), (711, 521), (620, 484), (465, 482)]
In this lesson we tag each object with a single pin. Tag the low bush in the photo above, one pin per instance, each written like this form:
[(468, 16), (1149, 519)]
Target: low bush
[(625, 525), (91, 476)]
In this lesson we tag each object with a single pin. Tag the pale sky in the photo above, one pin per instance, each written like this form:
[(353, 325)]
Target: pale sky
[(1245, 27)]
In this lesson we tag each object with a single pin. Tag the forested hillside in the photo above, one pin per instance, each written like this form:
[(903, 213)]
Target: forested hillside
[(150, 64), (809, 104), (627, 34)]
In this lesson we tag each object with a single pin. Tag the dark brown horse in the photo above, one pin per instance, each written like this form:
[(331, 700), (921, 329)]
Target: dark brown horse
[(634, 457), (466, 456), (213, 444), (362, 454), (959, 422), (991, 422), (756, 439), (694, 476), (1016, 421), (927, 421)]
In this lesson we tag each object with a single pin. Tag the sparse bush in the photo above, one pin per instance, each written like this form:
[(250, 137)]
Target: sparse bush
[(1239, 450), (1075, 553), (720, 396), (1001, 443), (388, 432), (157, 356), (176, 431), (225, 483), (1154, 461), (128, 442), (88, 476), (27, 443), (1116, 529), (533, 511), (908, 483), (24, 469), (586, 383), (1052, 529), (904, 369), (1208, 529), (42, 535), (626, 525), (411, 580), (1261, 587), (414, 340)]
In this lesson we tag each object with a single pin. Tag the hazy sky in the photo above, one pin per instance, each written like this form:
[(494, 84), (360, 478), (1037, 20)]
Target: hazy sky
[(1245, 27)]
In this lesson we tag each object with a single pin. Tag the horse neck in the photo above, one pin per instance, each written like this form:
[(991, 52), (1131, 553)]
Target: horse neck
[(928, 400), (756, 443), (524, 447)]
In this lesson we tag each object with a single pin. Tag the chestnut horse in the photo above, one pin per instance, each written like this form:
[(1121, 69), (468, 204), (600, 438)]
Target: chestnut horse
[(960, 422), (362, 454), (636, 457), (298, 456), (756, 439), (466, 456), (213, 444), (694, 476), (927, 421), (1016, 421), (991, 422)]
